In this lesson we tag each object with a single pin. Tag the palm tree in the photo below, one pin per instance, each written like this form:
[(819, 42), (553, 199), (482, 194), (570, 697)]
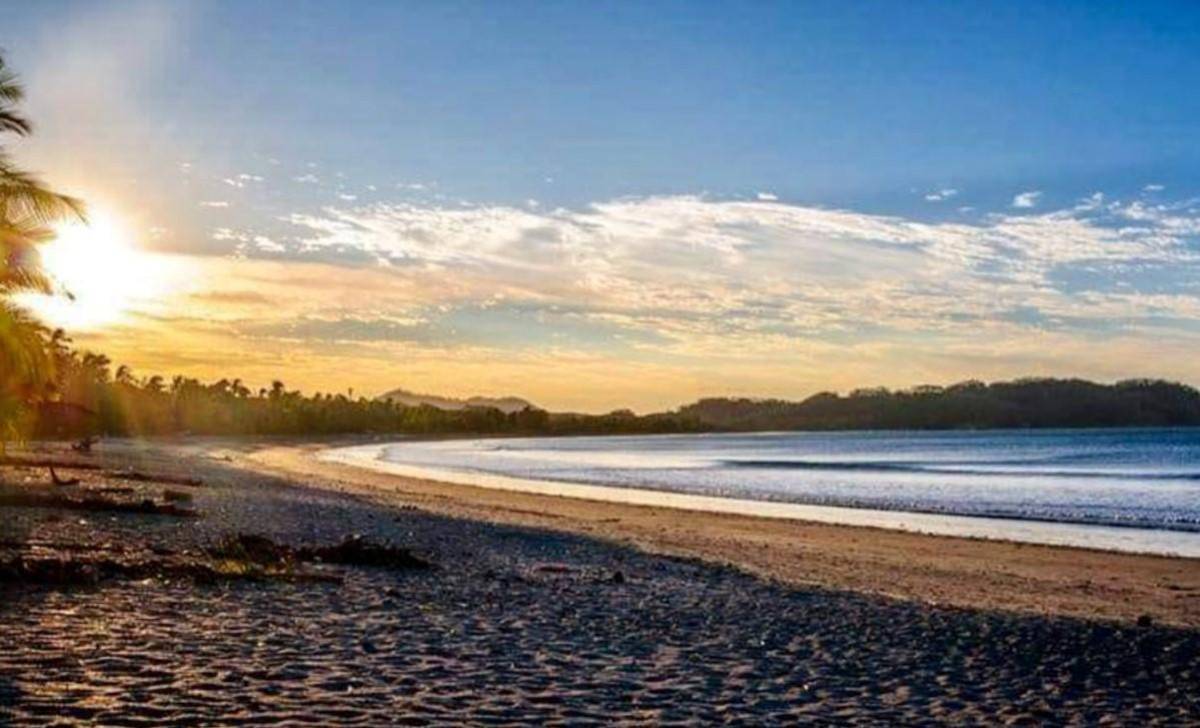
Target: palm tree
[(26, 368), (27, 210), (27, 207)]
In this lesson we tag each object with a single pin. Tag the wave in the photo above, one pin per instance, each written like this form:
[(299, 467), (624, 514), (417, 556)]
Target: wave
[(1008, 470)]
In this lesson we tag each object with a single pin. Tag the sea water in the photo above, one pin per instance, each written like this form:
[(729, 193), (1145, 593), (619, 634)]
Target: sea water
[(1136, 488)]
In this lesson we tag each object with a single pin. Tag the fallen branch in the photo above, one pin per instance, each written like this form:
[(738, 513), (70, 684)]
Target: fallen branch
[(354, 551), (93, 503), (22, 462), (141, 477), (61, 481)]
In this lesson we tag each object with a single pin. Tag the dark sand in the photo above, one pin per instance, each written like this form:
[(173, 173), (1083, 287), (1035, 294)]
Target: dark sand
[(524, 625), (1045, 580)]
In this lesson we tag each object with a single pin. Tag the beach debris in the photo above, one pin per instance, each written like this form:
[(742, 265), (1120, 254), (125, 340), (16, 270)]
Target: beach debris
[(353, 551), (114, 490), (18, 461), (140, 477), (176, 496), (63, 481), (357, 551), (91, 502), (254, 549)]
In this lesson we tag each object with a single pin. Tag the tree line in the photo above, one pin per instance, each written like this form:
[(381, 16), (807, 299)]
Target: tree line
[(1021, 403), (28, 209), (93, 398), (49, 389)]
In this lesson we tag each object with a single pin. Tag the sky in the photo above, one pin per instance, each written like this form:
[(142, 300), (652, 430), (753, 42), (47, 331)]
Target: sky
[(603, 205)]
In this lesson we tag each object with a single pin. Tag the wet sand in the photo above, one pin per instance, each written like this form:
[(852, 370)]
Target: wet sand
[(520, 624), (960, 572)]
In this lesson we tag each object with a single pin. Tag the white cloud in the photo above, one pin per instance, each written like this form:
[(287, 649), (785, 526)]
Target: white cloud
[(214, 203), (1026, 200), (267, 245), (307, 179), (242, 180), (767, 196), (1153, 188), (942, 194), (705, 276)]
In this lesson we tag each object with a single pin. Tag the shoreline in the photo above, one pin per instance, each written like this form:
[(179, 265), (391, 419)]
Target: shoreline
[(935, 569), (1113, 538), (525, 610)]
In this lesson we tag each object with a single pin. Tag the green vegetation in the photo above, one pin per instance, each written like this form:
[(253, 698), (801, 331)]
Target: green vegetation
[(47, 389), (27, 209), (103, 402), (93, 399), (968, 405)]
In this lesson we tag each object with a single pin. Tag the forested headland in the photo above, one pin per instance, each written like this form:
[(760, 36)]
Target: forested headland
[(1021, 403)]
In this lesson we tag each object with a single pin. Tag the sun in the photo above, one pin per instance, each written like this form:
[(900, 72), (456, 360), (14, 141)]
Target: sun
[(100, 272)]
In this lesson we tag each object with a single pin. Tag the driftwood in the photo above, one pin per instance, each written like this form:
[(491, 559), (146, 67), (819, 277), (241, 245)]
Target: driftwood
[(23, 462), (62, 481), (93, 503), (141, 477), (353, 551)]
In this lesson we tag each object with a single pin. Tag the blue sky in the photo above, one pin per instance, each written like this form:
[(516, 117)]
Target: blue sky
[(831, 103), (368, 135)]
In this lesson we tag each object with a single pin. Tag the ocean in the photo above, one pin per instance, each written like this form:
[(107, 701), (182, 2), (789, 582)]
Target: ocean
[(1137, 487)]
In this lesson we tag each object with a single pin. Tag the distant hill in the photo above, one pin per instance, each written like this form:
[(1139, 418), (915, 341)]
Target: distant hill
[(968, 405), (449, 404)]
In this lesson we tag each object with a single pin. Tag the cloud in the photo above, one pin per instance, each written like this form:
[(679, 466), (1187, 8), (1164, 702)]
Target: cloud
[(242, 180), (699, 295), (755, 277), (942, 194), (1153, 188), (267, 245), (1026, 200), (767, 196), (214, 203)]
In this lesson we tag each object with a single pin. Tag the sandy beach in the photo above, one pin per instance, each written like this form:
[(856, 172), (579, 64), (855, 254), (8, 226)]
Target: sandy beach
[(544, 611), (937, 570)]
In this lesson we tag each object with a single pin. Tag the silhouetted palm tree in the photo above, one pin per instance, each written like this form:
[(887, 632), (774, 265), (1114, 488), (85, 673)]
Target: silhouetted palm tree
[(27, 210), (27, 207)]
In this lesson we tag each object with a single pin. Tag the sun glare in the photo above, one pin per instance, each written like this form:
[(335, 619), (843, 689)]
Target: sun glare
[(100, 272)]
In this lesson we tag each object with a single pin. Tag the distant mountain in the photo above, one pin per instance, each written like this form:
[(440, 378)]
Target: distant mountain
[(449, 404), (968, 405)]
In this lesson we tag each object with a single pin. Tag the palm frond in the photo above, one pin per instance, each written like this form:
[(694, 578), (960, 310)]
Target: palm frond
[(11, 121), (23, 195), (25, 363), (20, 264), (11, 90)]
